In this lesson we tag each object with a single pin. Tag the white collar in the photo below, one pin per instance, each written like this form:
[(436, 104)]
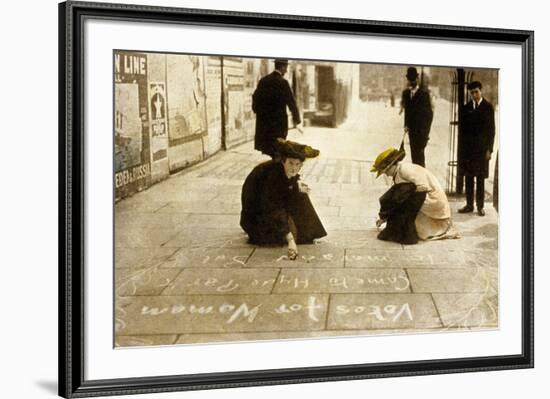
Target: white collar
[(474, 103)]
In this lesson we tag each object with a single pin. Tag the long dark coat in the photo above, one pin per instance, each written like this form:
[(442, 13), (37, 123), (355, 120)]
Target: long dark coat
[(477, 136), (272, 206), (399, 207), (418, 115), (269, 101)]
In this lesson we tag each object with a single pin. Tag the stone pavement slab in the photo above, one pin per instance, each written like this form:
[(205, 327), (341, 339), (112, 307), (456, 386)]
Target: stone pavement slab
[(143, 237), (319, 255), (234, 199), (145, 340), (382, 258), (139, 258), (482, 258), (298, 335), (357, 239), (468, 310), (201, 257), (223, 282), (452, 280), (382, 311), (243, 336), (143, 221), (347, 223), (420, 257), (209, 237), (180, 191), (293, 281), (324, 211), (459, 244), (362, 211), (220, 314), (149, 281), (135, 204), (220, 221), (365, 199), (201, 207)]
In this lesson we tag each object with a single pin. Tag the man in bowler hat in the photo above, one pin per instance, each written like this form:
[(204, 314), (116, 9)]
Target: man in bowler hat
[(476, 139), (269, 101), (418, 116)]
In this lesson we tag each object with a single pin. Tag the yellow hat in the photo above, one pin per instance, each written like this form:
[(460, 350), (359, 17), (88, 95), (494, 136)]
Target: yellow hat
[(386, 159)]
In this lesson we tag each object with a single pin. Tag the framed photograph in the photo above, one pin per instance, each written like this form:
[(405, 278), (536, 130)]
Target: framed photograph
[(257, 199)]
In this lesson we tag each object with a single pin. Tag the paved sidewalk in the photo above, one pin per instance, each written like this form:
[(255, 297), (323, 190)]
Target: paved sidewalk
[(185, 273)]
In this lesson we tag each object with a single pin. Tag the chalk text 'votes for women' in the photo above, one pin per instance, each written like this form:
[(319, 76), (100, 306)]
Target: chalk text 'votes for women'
[(243, 311)]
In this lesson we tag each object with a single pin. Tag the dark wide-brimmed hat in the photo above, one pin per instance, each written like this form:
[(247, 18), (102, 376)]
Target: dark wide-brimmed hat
[(412, 73), (291, 149), (386, 159)]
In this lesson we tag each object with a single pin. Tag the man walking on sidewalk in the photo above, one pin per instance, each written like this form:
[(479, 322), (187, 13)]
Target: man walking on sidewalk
[(419, 114), (269, 101), (476, 146)]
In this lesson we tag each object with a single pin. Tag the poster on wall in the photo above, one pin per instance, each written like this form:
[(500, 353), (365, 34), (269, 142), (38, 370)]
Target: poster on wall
[(187, 98), (128, 141), (159, 124), (251, 77), (158, 109), (131, 117), (213, 90), (233, 70)]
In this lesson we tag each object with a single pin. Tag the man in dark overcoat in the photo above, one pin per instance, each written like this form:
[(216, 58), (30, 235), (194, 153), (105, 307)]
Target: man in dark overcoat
[(417, 104), (269, 101), (477, 135)]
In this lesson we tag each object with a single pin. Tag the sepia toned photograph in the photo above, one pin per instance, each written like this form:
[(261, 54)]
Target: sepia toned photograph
[(270, 199)]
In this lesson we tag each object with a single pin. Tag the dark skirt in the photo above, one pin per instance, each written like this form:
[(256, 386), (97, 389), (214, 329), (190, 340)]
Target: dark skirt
[(399, 207)]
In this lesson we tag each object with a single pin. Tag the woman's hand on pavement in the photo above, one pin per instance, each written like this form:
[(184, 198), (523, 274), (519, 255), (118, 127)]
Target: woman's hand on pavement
[(303, 188), (292, 250)]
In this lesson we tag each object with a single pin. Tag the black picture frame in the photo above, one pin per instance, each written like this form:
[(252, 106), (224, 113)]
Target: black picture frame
[(71, 199)]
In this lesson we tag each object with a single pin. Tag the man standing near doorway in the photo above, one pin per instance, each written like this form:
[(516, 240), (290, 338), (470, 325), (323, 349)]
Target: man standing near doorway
[(476, 146), (269, 101), (417, 104)]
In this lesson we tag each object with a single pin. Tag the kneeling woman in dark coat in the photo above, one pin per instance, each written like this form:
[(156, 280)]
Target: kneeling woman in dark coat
[(275, 205)]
